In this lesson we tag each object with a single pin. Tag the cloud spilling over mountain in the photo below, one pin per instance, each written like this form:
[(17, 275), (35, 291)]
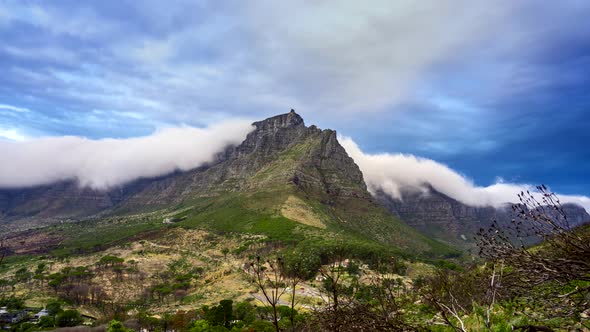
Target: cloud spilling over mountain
[(395, 173), (106, 163)]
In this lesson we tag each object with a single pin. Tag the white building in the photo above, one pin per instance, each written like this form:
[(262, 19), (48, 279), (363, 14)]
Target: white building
[(41, 313)]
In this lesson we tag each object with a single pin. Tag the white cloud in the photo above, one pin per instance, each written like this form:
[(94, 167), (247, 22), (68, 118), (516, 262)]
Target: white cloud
[(11, 134), (14, 108), (394, 173), (106, 163)]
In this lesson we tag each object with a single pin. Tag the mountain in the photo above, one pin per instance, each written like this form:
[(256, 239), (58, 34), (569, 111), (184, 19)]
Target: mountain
[(285, 180), (239, 168), (442, 217)]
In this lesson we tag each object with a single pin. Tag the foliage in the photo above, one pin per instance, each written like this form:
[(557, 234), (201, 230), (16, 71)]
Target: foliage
[(110, 261), (68, 318), (3, 251), (552, 277), (12, 303), (269, 278), (245, 312), (116, 326), (46, 322), (53, 308), (200, 326), (221, 314)]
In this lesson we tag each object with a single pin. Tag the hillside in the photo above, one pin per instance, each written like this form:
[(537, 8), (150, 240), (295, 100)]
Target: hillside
[(170, 249), (442, 217), (285, 180), (183, 240)]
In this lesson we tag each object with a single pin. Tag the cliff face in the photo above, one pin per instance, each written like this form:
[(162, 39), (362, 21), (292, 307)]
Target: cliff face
[(273, 135), (443, 217), (316, 160)]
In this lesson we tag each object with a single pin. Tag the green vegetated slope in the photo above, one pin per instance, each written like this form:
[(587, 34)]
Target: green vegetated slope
[(307, 191), (277, 206), (288, 182)]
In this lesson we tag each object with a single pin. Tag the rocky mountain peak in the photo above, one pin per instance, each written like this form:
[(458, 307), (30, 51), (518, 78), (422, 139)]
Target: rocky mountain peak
[(283, 150), (287, 120), (273, 134)]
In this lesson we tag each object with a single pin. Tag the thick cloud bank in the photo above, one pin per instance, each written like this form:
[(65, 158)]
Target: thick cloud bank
[(394, 173), (107, 163)]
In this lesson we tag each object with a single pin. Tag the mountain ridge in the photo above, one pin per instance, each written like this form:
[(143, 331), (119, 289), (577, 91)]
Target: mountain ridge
[(282, 168), (283, 172), (443, 217)]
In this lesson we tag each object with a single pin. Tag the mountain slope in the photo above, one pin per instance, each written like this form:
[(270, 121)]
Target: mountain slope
[(285, 180), (442, 217)]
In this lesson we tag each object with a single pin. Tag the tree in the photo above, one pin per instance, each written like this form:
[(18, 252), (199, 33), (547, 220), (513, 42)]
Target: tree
[(392, 301), (46, 322), (200, 326), (53, 308), (452, 294), (381, 303), (110, 261), (554, 275), (221, 314), (225, 251), (23, 275), (3, 251), (271, 282), (333, 275), (69, 318), (12, 303), (116, 326), (182, 319), (244, 311), (295, 271), (39, 273)]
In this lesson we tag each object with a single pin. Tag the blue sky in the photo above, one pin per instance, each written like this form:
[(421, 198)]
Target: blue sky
[(492, 89)]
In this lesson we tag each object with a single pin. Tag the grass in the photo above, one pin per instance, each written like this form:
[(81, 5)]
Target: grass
[(231, 214), (11, 261), (96, 235)]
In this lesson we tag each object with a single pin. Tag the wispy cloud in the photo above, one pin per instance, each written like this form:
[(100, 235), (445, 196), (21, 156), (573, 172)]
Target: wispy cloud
[(13, 108)]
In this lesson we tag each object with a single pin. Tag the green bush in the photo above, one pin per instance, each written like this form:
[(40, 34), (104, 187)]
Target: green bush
[(69, 318), (46, 322), (261, 326), (12, 303), (200, 326), (244, 311), (54, 308), (116, 326)]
